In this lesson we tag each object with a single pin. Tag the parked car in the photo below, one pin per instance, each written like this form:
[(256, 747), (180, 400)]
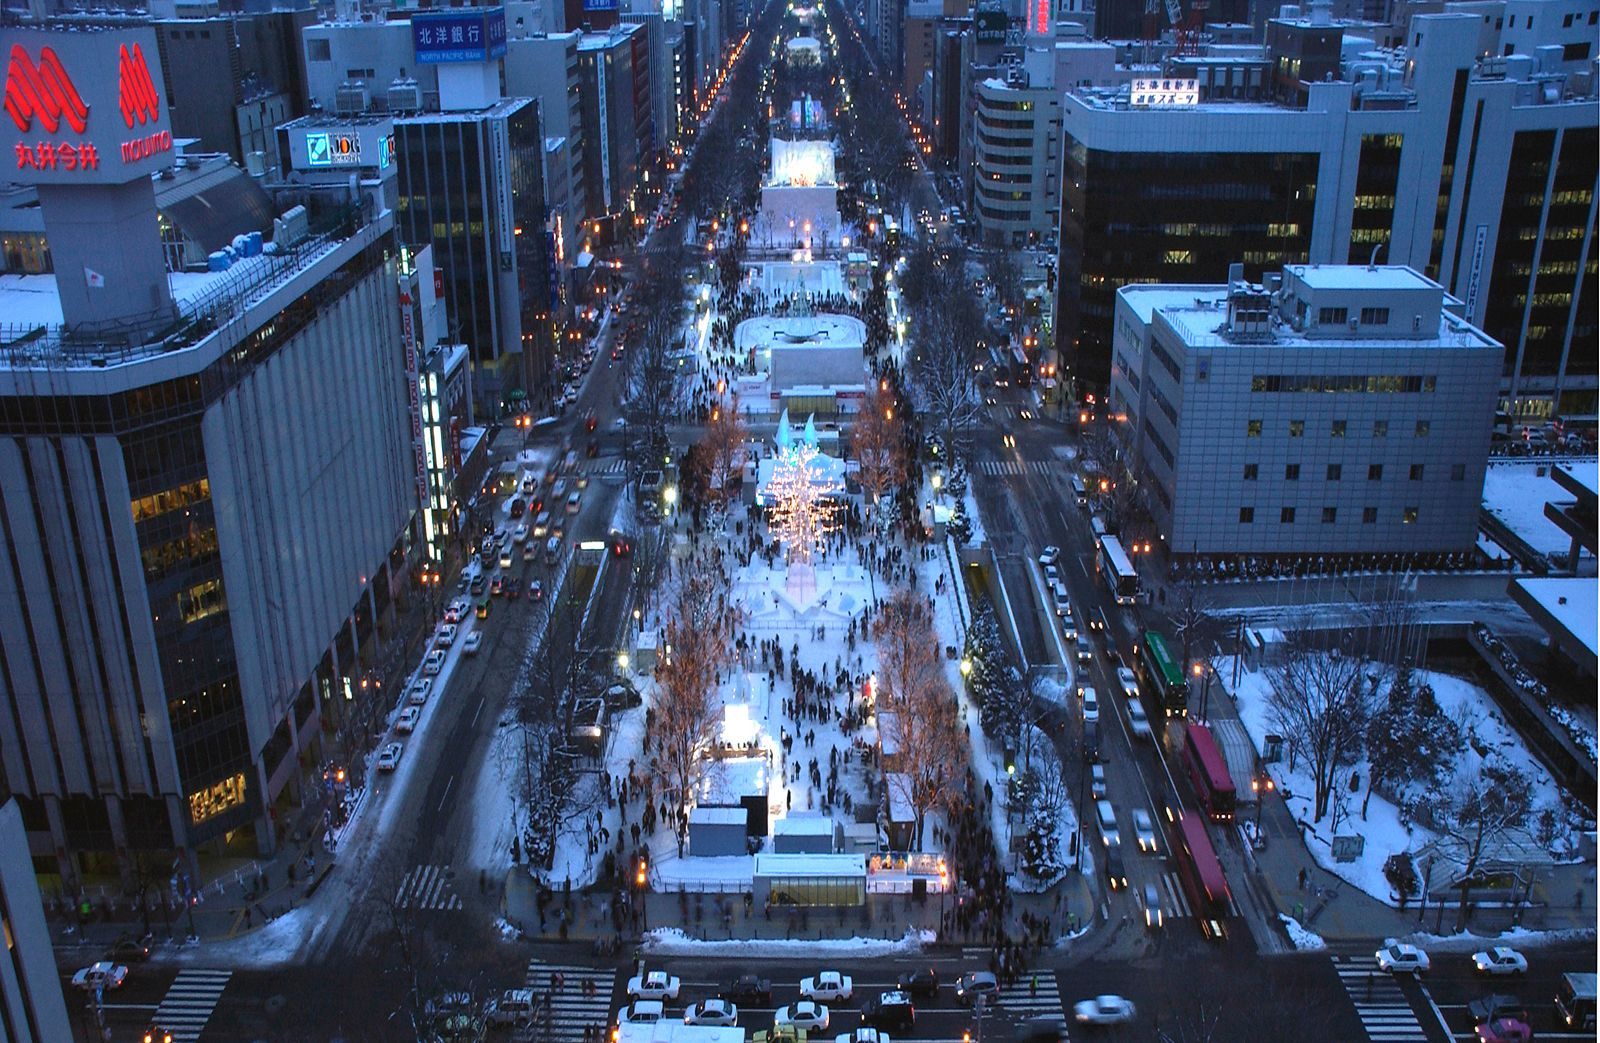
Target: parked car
[(654, 985), (434, 662), (889, 1011), (1499, 960), (419, 691), (813, 1017), (974, 984), (407, 722), (514, 1007), (101, 975), (1104, 1010), (1144, 830), (389, 756), (1050, 555), (711, 1012), (1116, 872), (924, 983), (473, 642), (1402, 958), (864, 1034), (447, 634), (1097, 781), (749, 989), (827, 985)]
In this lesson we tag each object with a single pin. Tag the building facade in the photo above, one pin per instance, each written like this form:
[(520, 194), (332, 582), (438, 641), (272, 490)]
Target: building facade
[(1334, 410), (1016, 195), (32, 1009)]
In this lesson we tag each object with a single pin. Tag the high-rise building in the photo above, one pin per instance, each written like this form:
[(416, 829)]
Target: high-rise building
[(615, 86), (1480, 172), (32, 1009), (207, 498), (1016, 197), (1336, 409)]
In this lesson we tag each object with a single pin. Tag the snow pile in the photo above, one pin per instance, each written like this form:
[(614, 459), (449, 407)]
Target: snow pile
[(672, 941), (1575, 727), (1304, 939)]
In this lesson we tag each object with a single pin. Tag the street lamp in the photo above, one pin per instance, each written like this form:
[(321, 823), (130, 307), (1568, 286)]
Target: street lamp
[(622, 661), (966, 667)]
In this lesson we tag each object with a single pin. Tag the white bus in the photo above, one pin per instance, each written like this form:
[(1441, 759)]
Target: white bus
[(1117, 571)]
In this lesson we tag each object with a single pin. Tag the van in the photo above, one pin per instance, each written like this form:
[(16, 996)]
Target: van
[(1058, 593), (541, 525), (1080, 492), (434, 662), (1098, 525), (514, 1007)]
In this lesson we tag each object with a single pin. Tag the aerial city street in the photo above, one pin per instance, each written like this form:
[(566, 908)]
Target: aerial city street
[(866, 521)]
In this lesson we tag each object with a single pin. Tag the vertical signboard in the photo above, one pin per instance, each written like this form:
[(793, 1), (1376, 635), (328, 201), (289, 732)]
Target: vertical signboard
[(414, 396), (505, 230)]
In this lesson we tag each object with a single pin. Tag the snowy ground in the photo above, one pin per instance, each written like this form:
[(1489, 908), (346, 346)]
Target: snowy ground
[(1516, 494), (1383, 826), (671, 941)]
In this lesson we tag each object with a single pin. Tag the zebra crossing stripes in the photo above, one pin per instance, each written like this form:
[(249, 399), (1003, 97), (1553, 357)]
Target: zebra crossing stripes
[(188, 1004), (1036, 994), (1385, 1013), (428, 887), (573, 1006), (1176, 903), (996, 468)]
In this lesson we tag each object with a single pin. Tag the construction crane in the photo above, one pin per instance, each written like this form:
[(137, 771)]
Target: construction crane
[(1191, 28)]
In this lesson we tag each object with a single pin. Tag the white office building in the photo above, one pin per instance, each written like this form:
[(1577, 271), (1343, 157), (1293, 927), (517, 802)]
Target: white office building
[(1332, 410)]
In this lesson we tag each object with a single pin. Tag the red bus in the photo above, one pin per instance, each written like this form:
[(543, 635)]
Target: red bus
[(1209, 773), (1202, 876)]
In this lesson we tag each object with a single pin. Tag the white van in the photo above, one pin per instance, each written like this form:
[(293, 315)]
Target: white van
[(1080, 492), (1098, 525), (434, 663), (1058, 593)]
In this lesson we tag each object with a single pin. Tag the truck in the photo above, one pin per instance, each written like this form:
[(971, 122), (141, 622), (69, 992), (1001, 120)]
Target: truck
[(1575, 1001)]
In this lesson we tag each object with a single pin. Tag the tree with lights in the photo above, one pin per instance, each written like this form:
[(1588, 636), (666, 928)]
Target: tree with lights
[(799, 495)]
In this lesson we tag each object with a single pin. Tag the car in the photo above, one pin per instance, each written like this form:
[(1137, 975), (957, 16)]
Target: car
[(514, 1007), (1052, 575), (1402, 958), (750, 989), (653, 985), (535, 590), (924, 983), (1139, 721), (864, 1034), (1499, 960), (1504, 1030), (1129, 683), (1069, 628), (1049, 556), (128, 949), (558, 490), (530, 552), (1091, 702), (592, 449), (419, 691), (1097, 781), (505, 558), (473, 642), (1152, 907), (808, 1015), (1144, 830), (574, 501), (591, 422), (1104, 1010), (520, 533), (389, 756), (541, 524), (406, 723), (711, 1012), (513, 587), (1107, 816), (1044, 1029), (433, 662), (497, 586), (1497, 1006), (452, 612), (641, 1012), (1085, 651), (890, 1010), (975, 985), (101, 975), (1116, 872), (827, 985), (447, 634), (1008, 439), (499, 535)]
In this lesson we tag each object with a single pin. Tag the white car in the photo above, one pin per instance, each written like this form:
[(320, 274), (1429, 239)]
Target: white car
[(1091, 702), (1069, 629), (433, 662), (520, 533), (452, 612), (447, 634), (1097, 781), (1104, 1010), (473, 642), (653, 985), (1144, 830), (1050, 555), (1107, 817), (408, 720), (1499, 960), (827, 985), (1402, 958), (389, 756), (813, 1017), (419, 691), (1130, 683), (641, 1012), (711, 1012), (102, 975), (1139, 721), (864, 1034)]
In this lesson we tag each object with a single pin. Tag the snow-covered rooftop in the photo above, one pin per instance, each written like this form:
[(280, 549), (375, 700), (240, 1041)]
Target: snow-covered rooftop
[(804, 824), (768, 864), (1587, 473), (710, 816), (1573, 603), (1361, 277), (1516, 492), (731, 779), (675, 1031)]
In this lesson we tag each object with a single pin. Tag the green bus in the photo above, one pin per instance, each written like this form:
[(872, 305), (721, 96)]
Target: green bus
[(1162, 674)]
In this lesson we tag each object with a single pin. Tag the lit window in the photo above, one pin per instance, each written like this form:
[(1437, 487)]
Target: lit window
[(1252, 429), (1338, 429), (1409, 515), (1297, 428)]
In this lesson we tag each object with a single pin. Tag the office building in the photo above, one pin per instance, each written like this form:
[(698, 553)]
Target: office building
[(1465, 168), (207, 498), (1016, 197), (32, 1009), (615, 89), (1334, 410)]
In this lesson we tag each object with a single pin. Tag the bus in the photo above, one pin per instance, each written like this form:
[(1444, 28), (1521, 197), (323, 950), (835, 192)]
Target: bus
[(1161, 673), (1022, 368), (1575, 999), (1201, 875), (1209, 772), (1117, 571)]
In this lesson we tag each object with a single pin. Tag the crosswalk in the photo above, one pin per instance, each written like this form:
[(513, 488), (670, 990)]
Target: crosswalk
[(428, 887), (583, 1001), (1036, 994), (189, 1002), (995, 468), (1384, 1011), (1175, 901)]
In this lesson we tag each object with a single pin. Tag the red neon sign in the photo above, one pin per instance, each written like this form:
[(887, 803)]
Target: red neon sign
[(135, 92), (44, 91)]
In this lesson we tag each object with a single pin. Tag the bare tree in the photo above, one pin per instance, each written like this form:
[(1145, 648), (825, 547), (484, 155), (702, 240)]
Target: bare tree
[(1320, 703), (686, 713), (1187, 604), (1479, 815), (652, 379), (945, 329), (723, 444), (913, 688), (878, 443)]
